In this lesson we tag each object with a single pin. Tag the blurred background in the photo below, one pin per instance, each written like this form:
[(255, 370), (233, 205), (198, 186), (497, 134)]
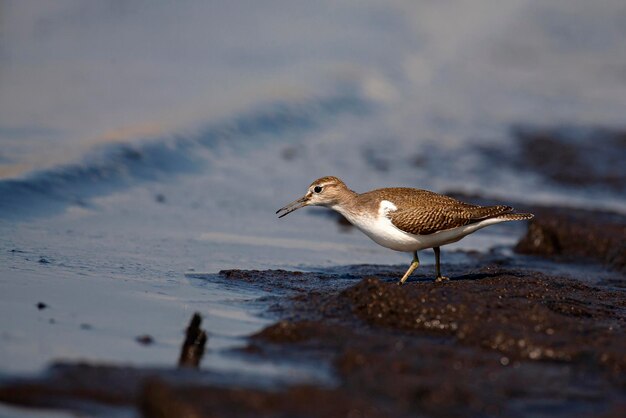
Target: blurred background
[(140, 140)]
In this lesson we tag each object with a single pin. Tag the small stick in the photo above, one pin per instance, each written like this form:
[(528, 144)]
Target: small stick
[(193, 347)]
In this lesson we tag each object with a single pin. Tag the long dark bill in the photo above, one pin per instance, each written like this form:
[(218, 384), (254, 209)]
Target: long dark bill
[(296, 204)]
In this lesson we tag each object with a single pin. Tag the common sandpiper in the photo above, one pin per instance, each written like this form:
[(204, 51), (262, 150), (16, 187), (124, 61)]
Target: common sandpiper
[(404, 219)]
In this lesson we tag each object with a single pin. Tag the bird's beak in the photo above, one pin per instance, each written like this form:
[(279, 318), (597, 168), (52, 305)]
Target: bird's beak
[(296, 204)]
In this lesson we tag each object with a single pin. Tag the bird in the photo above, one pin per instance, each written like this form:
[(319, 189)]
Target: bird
[(404, 219)]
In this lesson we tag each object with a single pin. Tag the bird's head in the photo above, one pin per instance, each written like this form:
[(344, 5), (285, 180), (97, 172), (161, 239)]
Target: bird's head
[(325, 191)]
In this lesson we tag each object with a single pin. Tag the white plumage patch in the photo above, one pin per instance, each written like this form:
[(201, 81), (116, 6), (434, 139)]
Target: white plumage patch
[(385, 207)]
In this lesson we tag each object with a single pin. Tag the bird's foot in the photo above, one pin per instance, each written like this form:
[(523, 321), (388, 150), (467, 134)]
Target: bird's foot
[(440, 279), (399, 282)]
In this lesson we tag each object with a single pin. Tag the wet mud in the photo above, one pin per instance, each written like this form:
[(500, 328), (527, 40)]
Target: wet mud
[(493, 341)]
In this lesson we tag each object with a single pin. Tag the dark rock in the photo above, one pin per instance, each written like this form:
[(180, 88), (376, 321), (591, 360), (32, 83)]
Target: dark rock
[(41, 305), (576, 236)]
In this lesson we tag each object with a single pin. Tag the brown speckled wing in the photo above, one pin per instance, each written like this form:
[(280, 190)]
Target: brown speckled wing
[(421, 212)]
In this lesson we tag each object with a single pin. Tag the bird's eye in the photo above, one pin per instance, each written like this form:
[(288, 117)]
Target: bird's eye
[(317, 189)]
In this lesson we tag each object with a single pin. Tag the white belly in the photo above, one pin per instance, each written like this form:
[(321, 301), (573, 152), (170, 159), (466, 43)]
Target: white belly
[(380, 229)]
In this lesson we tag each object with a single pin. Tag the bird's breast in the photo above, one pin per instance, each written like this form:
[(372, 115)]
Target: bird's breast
[(379, 228)]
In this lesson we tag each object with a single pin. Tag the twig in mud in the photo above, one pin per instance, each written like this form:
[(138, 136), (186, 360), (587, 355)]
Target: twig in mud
[(193, 347)]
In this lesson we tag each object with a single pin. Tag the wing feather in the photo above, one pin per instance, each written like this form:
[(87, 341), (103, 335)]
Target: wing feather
[(421, 212)]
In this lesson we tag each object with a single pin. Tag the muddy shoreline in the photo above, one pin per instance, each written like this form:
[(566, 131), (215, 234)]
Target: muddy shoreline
[(502, 338)]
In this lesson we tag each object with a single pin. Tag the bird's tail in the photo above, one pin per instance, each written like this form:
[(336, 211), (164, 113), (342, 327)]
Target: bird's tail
[(515, 216)]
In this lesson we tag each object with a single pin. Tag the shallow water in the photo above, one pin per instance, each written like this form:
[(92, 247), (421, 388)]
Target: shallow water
[(141, 142)]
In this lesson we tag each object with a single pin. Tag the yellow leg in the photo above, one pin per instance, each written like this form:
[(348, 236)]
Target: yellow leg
[(412, 267), (439, 277)]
